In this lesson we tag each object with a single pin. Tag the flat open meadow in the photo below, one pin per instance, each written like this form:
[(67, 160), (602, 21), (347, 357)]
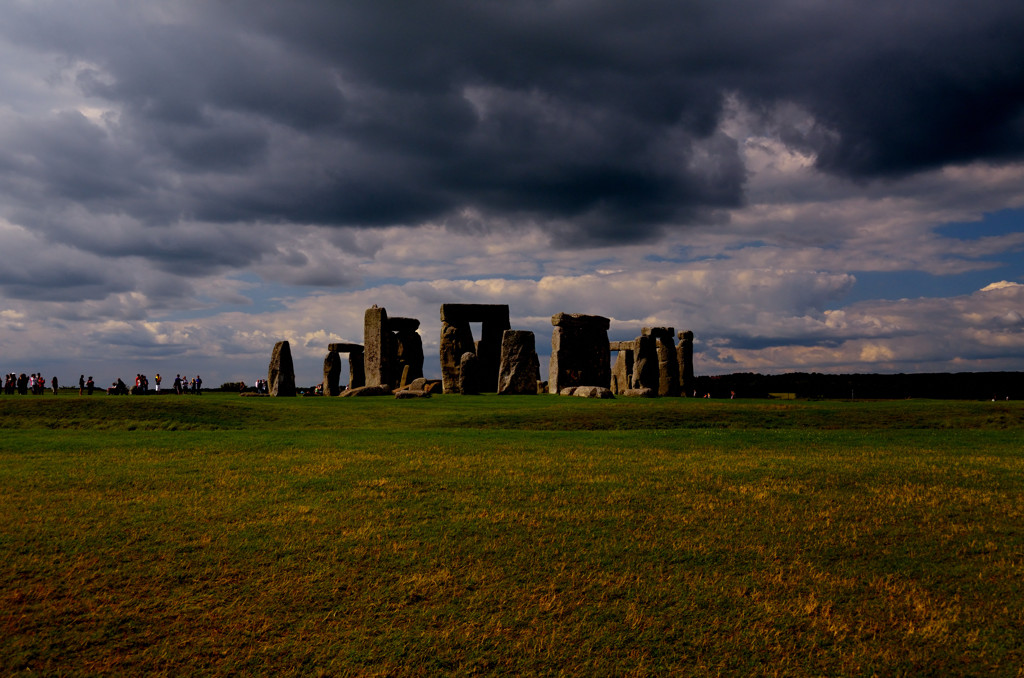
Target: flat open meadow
[(515, 535)]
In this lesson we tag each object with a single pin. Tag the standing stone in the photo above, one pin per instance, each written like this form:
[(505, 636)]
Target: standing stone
[(455, 341), (469, 377), (332, 373), (377, 350), (408, 346), (579, 351), (622, 371), (356, 374), (457, 338), (684, 352), (668, 364), (645, 364), (520, 369), (281, 373)]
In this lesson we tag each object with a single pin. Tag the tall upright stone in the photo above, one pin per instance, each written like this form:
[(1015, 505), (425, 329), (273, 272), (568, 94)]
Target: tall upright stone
[(519, 371), (281, 372), (622, 370), (668, 363), (408, 347), (357, 368), (684, 353), (332, 374), (377, 350), (645, 364), (355, 362), (457, 338), (469, 375), (580, 351)]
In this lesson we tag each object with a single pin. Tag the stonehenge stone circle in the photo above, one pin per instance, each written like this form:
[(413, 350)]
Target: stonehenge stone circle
[(457, 339), (281, 372), (519, 371), (579, 351)]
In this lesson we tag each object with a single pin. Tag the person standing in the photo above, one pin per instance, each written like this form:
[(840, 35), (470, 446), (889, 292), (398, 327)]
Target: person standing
[(199, 385), (89, 385), (81, 384), (177, 385), (157, 379), (54, 385)]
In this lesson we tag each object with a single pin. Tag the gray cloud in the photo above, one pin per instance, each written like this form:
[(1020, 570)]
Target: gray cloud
[(596, 120)]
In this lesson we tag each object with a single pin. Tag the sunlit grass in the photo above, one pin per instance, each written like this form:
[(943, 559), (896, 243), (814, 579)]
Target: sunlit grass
[(473, 535)]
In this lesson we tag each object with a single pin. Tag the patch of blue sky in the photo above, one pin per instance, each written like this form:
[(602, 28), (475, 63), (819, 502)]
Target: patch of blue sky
[(994, 223)]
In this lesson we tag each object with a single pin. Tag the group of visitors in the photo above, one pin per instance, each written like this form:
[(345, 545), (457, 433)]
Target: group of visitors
[(36, 385), (24, 384), (260, 386), (183, 385)]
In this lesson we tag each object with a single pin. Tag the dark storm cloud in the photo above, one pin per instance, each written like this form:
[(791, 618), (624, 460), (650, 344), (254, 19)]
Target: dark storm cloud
[(598, 120)]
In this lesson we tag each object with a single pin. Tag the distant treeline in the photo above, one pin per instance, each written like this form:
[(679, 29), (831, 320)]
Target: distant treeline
[(959, 385)]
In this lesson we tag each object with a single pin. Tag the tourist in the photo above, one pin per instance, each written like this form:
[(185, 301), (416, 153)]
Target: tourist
[(89, 385), (81, 384), (157, 379), (177, 384), (53, 385), (198, 385)]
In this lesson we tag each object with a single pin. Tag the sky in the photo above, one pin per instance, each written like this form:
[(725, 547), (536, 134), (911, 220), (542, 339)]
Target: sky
[(807, 185)]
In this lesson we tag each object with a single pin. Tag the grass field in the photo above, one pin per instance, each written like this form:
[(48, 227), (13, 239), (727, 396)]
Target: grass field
[(510, 535)]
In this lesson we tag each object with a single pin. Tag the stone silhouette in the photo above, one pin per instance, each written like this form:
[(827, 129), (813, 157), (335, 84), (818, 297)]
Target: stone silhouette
[(622, 371), (281, 372), (377, 350), (469, 374), (645, 364), (519, 370), (393, 349), (408, 348), (457, 339), (684, 353), (356, 375), (579, 351), (668, 365), (332, 373)]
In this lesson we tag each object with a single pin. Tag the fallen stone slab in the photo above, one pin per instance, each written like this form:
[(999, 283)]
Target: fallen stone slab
[(640, 393), (593, 392), (379, 390), (408, 394)]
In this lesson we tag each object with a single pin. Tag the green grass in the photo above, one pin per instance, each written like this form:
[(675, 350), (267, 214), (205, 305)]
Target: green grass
[(520, 535)]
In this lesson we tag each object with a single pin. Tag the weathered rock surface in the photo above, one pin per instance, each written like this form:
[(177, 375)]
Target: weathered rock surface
[(668, 363), (519, 370), (579, 351), (377, 349), (457, 338), (593, 392), (469, 376), (622, 371), (639, 393), (378, 390), (568, 390), (645, 363), (408, 393), (684, 354), (332, 374), (281, 372)]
